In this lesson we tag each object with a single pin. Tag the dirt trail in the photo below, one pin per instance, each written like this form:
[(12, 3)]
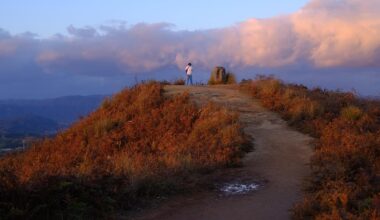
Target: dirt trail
[(279, 160)]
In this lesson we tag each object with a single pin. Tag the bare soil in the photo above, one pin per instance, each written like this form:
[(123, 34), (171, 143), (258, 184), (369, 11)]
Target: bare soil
[(279, 163)]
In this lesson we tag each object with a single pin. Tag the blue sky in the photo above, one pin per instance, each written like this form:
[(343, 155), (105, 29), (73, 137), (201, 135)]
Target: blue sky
[(47, 17), (82, 48)]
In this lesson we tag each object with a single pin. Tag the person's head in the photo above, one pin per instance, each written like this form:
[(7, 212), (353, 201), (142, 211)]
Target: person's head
[(189, 64)]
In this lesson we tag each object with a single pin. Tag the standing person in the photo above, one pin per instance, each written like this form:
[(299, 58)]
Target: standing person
[(189, 71)]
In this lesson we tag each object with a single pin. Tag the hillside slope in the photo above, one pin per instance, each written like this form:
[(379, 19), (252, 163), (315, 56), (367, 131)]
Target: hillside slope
[(279, 162), (345, 180), (137, 145)]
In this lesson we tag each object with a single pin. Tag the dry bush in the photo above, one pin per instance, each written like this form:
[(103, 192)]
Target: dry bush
[(230, 78), (138, 144), (345, 181), (180, 81), (352, 113)]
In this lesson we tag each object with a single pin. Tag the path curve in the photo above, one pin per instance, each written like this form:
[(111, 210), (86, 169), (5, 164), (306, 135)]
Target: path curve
[(279, 159)]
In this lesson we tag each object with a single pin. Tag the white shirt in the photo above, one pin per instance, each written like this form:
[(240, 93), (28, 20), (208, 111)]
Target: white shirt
[(189, 70)]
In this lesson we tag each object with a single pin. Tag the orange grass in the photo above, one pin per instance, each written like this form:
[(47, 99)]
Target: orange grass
[(138, 144), (345, 181)]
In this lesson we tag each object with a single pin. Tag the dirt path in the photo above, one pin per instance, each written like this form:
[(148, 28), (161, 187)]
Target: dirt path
[(279, 160)]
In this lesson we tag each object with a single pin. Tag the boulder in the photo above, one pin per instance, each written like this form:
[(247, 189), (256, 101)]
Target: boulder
[(218, 75)]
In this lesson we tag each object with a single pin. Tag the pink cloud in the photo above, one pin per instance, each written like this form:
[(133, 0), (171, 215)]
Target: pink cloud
[(325, 33), (340, 33)]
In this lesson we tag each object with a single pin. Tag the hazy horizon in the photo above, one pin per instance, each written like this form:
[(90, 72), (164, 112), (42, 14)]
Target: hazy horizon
[(49, 51)]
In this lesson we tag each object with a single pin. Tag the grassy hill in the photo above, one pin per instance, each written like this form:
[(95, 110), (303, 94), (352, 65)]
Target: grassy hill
[(345, 181), (137, 145)]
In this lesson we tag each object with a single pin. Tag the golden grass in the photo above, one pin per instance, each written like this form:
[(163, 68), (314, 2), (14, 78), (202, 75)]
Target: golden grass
[(345, 181), (138, 144)]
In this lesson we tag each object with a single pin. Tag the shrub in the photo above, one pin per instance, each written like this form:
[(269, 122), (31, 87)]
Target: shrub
[(351, 113), (179, 82), (230, 78), (137, 145), (345, 166)]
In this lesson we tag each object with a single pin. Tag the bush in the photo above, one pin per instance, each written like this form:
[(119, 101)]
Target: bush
[(351, 113), (179, 82), (230, 78), (137, 145), (346, 163)]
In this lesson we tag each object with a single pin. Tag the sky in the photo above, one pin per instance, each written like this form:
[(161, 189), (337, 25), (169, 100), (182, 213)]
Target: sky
[(55, 48), (47, 17)]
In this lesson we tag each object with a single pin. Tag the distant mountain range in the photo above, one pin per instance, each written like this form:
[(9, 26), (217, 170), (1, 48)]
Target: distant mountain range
[(63, 110), (29, 125), (36, 118)]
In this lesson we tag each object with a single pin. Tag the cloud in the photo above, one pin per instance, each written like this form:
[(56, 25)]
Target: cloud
[(86, 32), (340, 33), (323, 34)]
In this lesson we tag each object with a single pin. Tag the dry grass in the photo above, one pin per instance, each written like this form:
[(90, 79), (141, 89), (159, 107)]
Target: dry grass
[(345, 181), (230, 78), (137, 145), (179, 81)]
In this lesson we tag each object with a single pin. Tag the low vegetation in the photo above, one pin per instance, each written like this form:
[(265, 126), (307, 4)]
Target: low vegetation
[(230, 78), (179, 81), (138, 145), (345, 181)]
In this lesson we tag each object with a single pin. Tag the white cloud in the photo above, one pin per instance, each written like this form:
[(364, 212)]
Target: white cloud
[(323, 34)]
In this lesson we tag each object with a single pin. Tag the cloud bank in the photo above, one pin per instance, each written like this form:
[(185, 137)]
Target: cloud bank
[(324, 34)]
